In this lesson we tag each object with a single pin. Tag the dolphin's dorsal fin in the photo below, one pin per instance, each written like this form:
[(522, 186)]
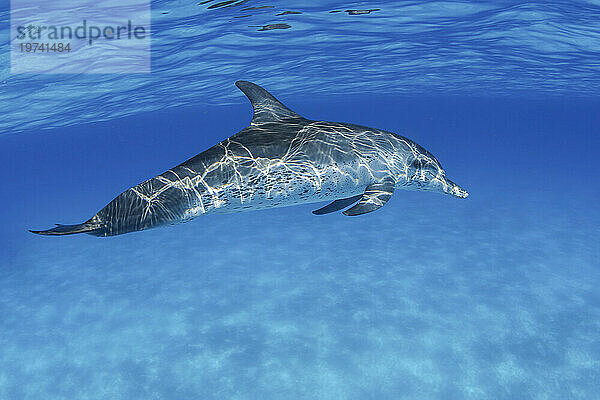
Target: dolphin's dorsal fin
[(266, 107)]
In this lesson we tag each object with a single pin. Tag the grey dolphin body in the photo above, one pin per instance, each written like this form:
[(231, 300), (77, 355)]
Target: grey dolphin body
[(281, 159)]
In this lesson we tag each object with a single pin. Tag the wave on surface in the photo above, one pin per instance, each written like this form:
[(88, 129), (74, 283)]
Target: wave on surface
[(300, 49)]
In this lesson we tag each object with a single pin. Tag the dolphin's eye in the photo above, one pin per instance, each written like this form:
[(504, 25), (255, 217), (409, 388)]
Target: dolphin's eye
[(418, 164)]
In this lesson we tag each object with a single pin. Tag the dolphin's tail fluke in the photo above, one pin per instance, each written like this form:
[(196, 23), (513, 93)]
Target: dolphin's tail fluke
[(59, 230)]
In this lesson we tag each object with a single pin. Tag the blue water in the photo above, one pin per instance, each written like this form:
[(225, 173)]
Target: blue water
[(430, 297)]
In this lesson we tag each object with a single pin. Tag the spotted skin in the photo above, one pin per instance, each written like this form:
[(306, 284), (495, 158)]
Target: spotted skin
[(281, 159)]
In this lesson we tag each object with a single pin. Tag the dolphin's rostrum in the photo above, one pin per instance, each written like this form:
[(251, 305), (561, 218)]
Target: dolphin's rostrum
[(281, 159)]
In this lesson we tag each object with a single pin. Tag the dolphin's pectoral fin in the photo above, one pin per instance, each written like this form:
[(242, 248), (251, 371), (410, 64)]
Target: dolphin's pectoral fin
[(337, 205), (375, 196), (266, 107)]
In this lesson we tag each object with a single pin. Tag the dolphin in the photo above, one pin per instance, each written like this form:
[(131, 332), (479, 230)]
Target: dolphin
[(281, 159)]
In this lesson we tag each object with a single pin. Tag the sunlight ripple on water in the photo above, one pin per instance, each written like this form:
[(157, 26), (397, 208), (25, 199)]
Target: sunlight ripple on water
[(300, 48)]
